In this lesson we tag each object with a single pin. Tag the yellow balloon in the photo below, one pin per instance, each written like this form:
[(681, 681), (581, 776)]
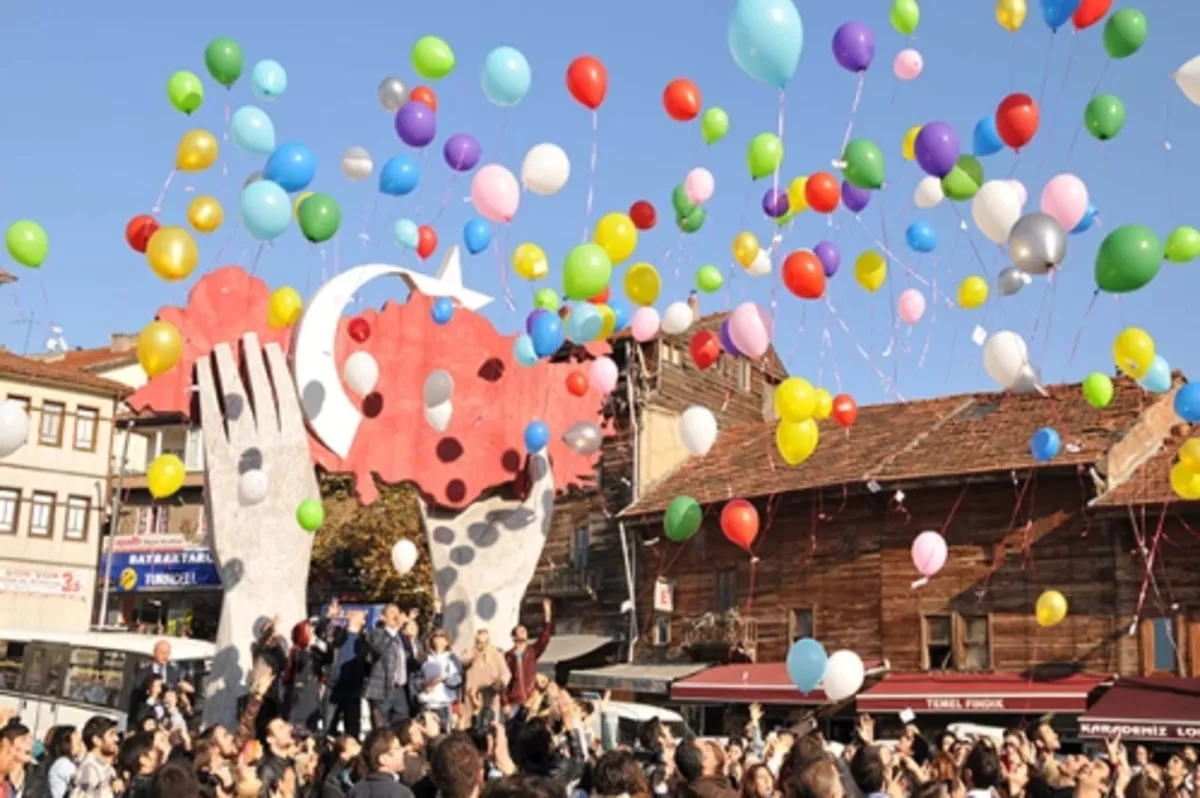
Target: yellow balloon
[(159, 347), (529, 262), (1051, 608), (824, 406), (972, 292), (1189, 454), (796, 440), (870, 270), (165, 475), (745, 248), (205, 214), (1133, 352), (1185, 482), (300, 198), (642, 283), (608, 321), (1011, 14), (172, 253), (909, 148), (797, 202), (617, 236), (795, 400), (197, 151), (285, 307)]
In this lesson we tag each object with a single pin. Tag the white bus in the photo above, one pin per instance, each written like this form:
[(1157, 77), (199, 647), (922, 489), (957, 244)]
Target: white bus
[(64, 678)]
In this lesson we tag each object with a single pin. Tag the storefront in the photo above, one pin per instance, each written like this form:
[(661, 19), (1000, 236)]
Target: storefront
[(1160, 710), (160, 590)]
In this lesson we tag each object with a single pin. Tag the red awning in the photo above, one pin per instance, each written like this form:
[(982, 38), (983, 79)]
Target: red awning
[(1154, 710), (749, 683), (979, 693)]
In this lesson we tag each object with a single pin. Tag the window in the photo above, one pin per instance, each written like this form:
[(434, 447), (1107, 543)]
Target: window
[(568, 626), (726, 589), (194, 450), (1162, 644), (977, 644), (162, 517), (86, 421), (800, 623), (672, 354), (10, 510), (957, 642), (145, 521), (50, 432), (580, 539), (662, 630), (743, 375), (939, 642), (78, 510), (41, 516)]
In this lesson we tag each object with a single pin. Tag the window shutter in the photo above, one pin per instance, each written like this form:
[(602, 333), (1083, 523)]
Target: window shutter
[(1193, 645), (1146, 640), (1181, 644), (959, 640)]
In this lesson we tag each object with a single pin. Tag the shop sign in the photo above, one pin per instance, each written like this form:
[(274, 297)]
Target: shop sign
[(1157, 731), (67, 583), (150, 571)]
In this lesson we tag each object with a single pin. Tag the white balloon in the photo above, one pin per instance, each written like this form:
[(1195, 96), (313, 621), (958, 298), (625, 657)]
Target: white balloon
[(1187, 78), (545, 169), (253, 487), (698, 429), (844, 674), (761, 266), (361, 372), (929, 192), (357, 163), (439, 416), (1019, 187), (995, 209), (14, 427), (404, 556), (1005, 356), (677, 318), (439, 388)]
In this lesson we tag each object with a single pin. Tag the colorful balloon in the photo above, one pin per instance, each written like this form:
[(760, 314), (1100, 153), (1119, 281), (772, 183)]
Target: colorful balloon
[(546, 169), (1104, 116), (986, 138), (392, 94), (1010, 14), (506, 76), (829, 255), (616, 234), (796, 201), (1037, 243), (138, 231), (423, 94), (432, 57), (864, 164), (936, 148), (905, 16), (27, 243), (1065, 198), (205, 214), (477, 235), (1128, 259), (806, 664), (462, 152), (1051, 608), (682, 100), (416, 124), (1158, 376), (1183, 244), (285, 307), (794, 400), (750, 328), (399, 176), (1017, 120), (796, 440), (775, 203), (845, 410), (682, 519), (587, 80), (407, 233), (714, 124), (854, 198), (804, 275), (224, 61), (159, 347), (766, 38), (699, 185), (1187, 407), (496, 193), (427, 241), (764, 155), (739, 522), (293, 166), (972, 292), (1125, 33), (586, 271), (1098, 390), (964, 180), (1133, 352), (854, 46), (319, 216), (172, 253), (821, 192), (709, 279), (185, 91), (165, 475), (908, 63), (870, 271), (745, 248), (929, 553), (642, 284), (1045, 445), (921, 237), (910, 307), (1090, 12), (252, 130), (1055, 13), (529, 262), (265, 210), (643, 215), (196, 152), (705, 349), (268, 79)]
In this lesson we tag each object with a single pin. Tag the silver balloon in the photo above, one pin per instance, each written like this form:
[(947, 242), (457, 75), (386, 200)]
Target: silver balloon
[(583, 437), (1029, 380), (1011, 281), (392, 94), (357, 164), (1037, 243), (254, 177)]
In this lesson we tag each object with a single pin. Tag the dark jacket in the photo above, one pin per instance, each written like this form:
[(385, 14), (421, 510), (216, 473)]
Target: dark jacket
[(141, 683), (386, 649), (350, 666), (303, 687), (708, 787), (380, 785)]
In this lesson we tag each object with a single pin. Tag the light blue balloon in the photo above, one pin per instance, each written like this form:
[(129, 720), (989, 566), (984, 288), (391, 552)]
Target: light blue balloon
[(584, 323), (523, 350), (269, 79), (477, 235), (1158, 377), (987, 139), (1057, 12), (252, 130), (291, 165), (506, 76), (806, 663), (407, 234), (621, 312), (921, 237), (1085, 224), (766, 38), (399, 176), (266, 209)]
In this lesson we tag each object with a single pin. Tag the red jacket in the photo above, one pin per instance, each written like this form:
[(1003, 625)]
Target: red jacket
[(524, 670)]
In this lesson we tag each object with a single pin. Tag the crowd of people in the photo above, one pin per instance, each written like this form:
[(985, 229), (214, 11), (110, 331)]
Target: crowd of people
[(486, 724)]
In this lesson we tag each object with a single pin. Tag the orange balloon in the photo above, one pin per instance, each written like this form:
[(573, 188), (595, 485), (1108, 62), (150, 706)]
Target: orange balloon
[(424, 94), (1090, 12), (822, 193), (739, 522), (587, 80), (577, 383), (602, 297), (804, 275), (1017, 120), (427, 241), (845, 410), (681, 99)]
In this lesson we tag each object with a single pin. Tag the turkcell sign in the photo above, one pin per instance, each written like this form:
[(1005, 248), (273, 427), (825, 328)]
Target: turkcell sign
[(146, 571)]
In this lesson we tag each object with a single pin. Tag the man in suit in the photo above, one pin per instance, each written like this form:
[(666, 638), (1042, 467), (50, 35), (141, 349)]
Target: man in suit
[(387, 688), (159, 667)]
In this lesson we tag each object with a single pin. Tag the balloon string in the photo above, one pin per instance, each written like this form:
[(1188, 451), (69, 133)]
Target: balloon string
[(1012, 62), (891, 255), (858, 93), (971, 242), (887, 383), (1168, 182), (591, 192), (337, 255), (508, 298), (1062, 90), (1082, 325), (445, 198), (1046, 72), (225, 137), (368, 220), (163, 193), (779, 133), (1079, 124)]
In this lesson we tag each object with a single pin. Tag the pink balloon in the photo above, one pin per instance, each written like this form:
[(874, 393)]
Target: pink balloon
[(908, 64), (750, 328), (644, 324), (1065, 198), (929, 553), (699, 185), (911, 306), (1019, 187), (602, 374), (495, 193)]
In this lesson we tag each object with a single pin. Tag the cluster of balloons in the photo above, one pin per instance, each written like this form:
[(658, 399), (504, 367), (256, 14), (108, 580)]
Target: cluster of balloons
[(688, 197), (839, 674)]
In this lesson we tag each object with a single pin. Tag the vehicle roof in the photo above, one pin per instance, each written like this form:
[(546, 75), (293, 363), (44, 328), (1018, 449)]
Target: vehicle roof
[(182, 648), (643, 712)]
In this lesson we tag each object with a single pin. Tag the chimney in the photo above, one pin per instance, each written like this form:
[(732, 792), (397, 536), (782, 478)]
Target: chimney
[(694, 304), (123, 342)]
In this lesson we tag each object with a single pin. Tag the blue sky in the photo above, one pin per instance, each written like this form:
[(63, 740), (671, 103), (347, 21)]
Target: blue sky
[(89, 138)]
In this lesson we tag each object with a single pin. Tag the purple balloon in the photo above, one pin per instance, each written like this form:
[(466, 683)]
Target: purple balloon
[(462, 152), (937, 149), (416, 124), (829, 255), (855, 198), (854, 46), (727, 341), (775, 203)]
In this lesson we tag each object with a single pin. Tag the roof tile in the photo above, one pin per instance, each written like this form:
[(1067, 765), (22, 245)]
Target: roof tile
[(58, 373)]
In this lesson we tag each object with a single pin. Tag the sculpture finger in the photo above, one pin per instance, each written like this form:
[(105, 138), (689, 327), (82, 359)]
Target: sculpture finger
[(212, 423), (239, 422), (261, 393), (291, 419)]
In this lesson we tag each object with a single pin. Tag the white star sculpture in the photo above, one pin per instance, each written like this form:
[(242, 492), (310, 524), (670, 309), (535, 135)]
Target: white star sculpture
[(447, 282)]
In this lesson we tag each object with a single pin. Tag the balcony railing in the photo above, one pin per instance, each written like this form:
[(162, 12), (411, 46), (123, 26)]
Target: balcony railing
[(566, 583), (727, 629)]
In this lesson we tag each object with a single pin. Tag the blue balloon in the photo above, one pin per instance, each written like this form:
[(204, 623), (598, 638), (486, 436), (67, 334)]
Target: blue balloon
[(921, 237), (506, 76), (532, 317), (584, 323), (269, 79), (292, 166), (1057, 12), (1158, 376), (806, 663), (987, 139), (399, 176), (766, 38), (407, 234), (537, 435), (523, 350), (1085, 224), (477, 235), (1045, 445), (547, 334), (621, 311), (1187, 402), (443, 309), (252, 130), (266, 209)]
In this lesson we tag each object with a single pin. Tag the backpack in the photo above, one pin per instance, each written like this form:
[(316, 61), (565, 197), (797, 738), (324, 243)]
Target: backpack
[(37, 780)]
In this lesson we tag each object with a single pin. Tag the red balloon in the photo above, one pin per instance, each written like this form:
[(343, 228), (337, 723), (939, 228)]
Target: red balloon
[(359, 329), (587, 80), (426, 241), (643, 215), (739, 522), (1017, 120), (1090, 12), (602, 297), (845, 410), (139, 230), (804, 275), (577, 383), (681, 99), (822, 193), (705, 348), (423, 94)]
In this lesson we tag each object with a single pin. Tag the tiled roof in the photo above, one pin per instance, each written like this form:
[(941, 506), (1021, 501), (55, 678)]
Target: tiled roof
[(90, 359), (27, 368), (1151, 483), (941, 437)]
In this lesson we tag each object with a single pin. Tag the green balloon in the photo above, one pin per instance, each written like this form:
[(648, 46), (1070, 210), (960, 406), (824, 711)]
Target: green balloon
[(709, 279), (764, 155), (586, 272), (904, 16), (1128, 259), (679, 199), (27, 243), (224, 60), (547, 299), (432, 57), (320, 217), (1183, 245), (864, 164), (310, 515), (1104, 116), (693, 221), (784, 220), (1098, 390), (964, 180), (682, 519), (714, 125), (1125, 33), (185, 91)]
